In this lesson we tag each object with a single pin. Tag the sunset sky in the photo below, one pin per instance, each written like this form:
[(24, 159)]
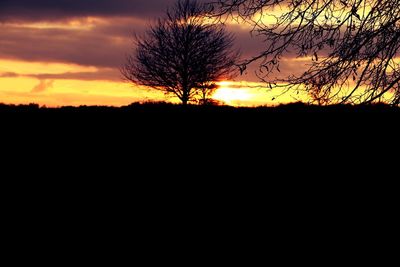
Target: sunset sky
[(68, 52)]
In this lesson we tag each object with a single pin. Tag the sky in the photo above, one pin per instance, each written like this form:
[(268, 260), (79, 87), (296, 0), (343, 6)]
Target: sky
[(68, 52)]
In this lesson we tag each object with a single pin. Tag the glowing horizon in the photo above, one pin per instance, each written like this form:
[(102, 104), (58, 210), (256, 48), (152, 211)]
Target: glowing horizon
[(72, 57), (47, 86)]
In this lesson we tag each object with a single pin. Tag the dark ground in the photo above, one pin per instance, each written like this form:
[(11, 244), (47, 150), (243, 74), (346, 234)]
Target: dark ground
[(196, 137), (160, 157), (138, 111), (169, 117), (161, 120)]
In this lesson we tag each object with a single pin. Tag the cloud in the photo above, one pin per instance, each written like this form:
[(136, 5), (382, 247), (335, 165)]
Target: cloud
[(45, 10), (100, 75), (103, 43), (9, 75), (42, 86), (89, 48)]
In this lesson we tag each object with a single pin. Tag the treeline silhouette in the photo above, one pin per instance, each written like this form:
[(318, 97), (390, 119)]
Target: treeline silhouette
[(160, 118), (165, 108)]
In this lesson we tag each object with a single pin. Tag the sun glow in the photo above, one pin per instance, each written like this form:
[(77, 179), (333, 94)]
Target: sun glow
[(245, 93), (228, 93)]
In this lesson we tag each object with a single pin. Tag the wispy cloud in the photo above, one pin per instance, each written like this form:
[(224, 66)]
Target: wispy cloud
[(101, 75), (8, 75), (42, 86)]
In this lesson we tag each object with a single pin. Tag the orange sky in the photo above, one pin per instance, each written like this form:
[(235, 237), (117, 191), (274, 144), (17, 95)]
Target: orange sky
[(25, 88), (20, 84), (74, 60)]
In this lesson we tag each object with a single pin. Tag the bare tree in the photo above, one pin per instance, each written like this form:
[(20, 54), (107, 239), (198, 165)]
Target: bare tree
[(182, 54), (353, 45)]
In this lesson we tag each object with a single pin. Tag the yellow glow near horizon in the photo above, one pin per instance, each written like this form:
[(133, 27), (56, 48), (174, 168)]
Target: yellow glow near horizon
[(60, 92), (19, 86), (24, 67), (73, 93)]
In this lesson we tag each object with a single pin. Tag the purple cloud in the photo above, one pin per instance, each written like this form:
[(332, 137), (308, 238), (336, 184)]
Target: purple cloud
[(48, 10)]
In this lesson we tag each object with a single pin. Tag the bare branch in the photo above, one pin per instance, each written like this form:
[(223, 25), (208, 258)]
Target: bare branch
[(354, 45), (182, 54)]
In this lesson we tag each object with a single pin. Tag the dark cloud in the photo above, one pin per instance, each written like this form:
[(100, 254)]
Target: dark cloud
[(104, 45), (39, 10), (89, 48)]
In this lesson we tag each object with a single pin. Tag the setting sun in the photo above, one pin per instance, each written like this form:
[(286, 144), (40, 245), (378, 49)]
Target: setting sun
[(231, 96)]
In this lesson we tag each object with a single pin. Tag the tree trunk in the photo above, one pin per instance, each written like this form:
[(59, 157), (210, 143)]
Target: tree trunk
[(185, 96)]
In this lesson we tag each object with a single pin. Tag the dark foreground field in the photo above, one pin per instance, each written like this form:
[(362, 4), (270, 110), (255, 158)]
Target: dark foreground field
[(82, 171), (163, 113), (165, 118), (199, 125), (163, 140), (166, 109)]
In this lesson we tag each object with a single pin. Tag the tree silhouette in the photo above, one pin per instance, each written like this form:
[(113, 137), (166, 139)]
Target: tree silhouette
[(182, 54), (353, 45)]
